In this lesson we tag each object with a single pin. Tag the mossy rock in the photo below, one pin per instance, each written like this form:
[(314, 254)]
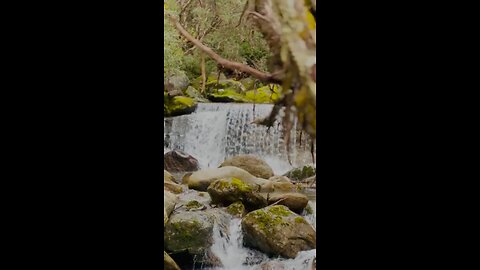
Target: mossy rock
[(227, 95), (178, 105), (201, 180), (189, 231), (263, 94), (227, 191), (236, 209), (275, 230), (296, 202), (195, 94), (302, 173)]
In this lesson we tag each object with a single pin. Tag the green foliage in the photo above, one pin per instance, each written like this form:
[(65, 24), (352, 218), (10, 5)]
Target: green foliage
[(171, 43), (219, 18)]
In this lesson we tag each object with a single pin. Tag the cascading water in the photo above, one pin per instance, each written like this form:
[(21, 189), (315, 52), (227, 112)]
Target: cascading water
[(217, 131)]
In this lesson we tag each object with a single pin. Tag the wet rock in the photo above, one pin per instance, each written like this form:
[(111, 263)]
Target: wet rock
[(179, 161), (201, 180), (189, 231), (192, 231), (302, 173), (276, 230), (294, 201), (227, 191), (169, 263), (250, 163)]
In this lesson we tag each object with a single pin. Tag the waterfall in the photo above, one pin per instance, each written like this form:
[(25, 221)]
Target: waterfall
[(217, 131)]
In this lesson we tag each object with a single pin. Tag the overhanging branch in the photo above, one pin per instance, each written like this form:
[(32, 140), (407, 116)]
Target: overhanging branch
[(235, 66)]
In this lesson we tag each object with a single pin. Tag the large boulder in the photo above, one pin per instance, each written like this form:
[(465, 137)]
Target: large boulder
[(192, 231), (276, 230), (227, 191), (169, 263), (179, 161), (294, 201), (301, 173), (200, 180), (250, 163)]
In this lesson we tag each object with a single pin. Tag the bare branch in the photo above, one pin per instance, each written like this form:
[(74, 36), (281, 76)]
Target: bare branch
[(235, 66)]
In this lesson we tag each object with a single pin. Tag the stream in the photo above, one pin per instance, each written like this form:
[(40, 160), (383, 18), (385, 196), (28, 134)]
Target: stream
[(216, 131)]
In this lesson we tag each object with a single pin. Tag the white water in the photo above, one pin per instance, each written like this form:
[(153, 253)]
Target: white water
[(234, 256), (217, 131)]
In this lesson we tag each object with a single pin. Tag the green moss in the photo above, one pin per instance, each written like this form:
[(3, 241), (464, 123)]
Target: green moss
[(236, 209), (263, 95), (267, 221), (193, 205), (300, 220), (242, 186), (178, 105), (280, 210), (227, 95)]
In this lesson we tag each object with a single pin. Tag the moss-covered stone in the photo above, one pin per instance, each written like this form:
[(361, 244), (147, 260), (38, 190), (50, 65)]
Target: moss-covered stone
[(276, 230), (231, 190), (189, 231), (236, 209), (227, 95), (179, 105)]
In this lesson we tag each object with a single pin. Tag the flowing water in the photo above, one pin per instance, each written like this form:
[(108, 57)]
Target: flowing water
[(217, 131)]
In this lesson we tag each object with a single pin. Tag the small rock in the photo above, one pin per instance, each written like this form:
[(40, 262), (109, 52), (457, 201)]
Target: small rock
[(302, 173), (294, 201), (179, 161)]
